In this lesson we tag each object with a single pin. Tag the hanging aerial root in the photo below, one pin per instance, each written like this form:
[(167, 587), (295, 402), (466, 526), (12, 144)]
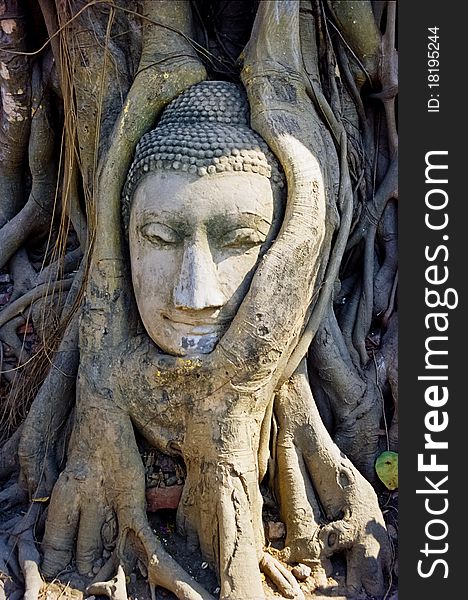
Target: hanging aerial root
[(366, 301), (384, 280), (388, 75)]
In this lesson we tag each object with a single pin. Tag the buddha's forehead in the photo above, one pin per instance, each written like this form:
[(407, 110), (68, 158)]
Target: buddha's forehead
[(206, 132), (184, 194)]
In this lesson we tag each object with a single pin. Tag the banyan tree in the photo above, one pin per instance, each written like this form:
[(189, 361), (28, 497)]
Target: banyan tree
[(198, 264)]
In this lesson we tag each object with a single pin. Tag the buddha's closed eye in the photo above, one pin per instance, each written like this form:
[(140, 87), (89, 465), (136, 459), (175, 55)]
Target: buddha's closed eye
[(159, 234), (162, 235), (244, 237)]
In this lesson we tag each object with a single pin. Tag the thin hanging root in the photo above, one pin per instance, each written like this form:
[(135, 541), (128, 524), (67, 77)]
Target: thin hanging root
[(115, 588), (283, 579)]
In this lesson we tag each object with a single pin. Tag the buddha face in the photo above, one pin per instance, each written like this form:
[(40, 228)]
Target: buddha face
[(194, 244)]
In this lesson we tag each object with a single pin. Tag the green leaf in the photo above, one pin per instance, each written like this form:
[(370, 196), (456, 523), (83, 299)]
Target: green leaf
[(386, 467)]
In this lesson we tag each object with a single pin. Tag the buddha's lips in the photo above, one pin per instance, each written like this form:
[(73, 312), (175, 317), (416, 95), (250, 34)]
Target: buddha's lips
[(213, 322), (190, 326)]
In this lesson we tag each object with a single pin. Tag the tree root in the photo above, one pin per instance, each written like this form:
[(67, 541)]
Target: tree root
[(47, 416), (24, 557), (221, 504), (363, 320), (9, 336), (283, 579), (82, 497), (356, 524), (12, 496), (352, 393), (23, 275), (15, 123), (29, 560), (390, 354), (9, 460), (61, 267), (21, 304), (384, 279), (36, 215), (115, 588), (376, 206), (358, 27)]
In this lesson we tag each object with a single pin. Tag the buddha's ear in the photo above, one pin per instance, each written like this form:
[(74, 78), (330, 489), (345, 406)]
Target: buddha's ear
[(168, 66)]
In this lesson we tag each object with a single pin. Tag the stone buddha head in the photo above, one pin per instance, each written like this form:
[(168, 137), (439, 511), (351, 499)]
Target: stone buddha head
[(201, 204)]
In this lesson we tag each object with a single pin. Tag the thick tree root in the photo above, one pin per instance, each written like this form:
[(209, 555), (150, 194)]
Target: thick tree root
[(82, 498), (355, 522), (15, 91), (48, 414)]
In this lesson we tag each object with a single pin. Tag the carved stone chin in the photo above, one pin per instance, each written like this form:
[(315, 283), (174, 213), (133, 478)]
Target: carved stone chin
[(194, 245)]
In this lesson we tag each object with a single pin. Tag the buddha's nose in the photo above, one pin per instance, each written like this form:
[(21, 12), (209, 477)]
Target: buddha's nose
[(198, 287)]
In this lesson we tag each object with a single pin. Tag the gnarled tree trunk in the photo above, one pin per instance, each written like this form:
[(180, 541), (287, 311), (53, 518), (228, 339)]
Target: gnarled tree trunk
[(299, 396)]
